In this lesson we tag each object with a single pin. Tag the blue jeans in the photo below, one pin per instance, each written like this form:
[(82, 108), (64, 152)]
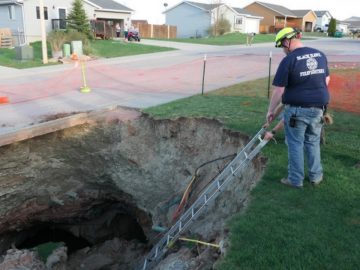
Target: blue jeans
[(304, 136)]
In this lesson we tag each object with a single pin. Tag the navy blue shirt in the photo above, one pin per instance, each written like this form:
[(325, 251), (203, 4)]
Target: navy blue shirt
[(303, 73)]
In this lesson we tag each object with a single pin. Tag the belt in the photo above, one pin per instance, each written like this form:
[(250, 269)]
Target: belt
[(308, 106)]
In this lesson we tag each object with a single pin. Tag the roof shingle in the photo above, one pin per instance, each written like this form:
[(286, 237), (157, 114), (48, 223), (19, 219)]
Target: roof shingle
[(110, 4), (279, 9)]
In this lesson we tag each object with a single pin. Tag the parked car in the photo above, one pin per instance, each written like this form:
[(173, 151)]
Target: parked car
[(322, 28)]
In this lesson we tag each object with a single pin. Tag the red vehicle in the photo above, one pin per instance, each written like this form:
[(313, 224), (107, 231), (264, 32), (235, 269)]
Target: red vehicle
[(133, 35)]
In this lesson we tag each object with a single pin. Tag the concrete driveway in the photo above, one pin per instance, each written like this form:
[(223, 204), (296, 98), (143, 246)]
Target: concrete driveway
[(143, 80)]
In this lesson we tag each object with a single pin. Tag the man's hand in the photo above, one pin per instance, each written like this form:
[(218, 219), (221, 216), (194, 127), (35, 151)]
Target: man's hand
[(268, 136), (269, 117)]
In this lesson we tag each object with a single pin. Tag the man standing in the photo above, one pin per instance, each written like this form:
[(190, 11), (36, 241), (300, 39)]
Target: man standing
[(301, 85), (117, 30), (249, 38)]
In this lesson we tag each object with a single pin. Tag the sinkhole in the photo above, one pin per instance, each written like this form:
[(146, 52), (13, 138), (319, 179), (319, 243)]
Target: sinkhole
[(100, 188)]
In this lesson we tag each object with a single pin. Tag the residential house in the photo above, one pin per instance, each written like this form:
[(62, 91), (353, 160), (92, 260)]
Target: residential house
[(23, 16), (343, 26), (277, 17), (323, 20), (306, 19), (194, 19), (11, 17), (240, 19), (353, 19), (354, 24)]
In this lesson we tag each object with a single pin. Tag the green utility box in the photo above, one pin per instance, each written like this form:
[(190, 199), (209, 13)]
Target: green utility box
[(338, 34), (66, 50)]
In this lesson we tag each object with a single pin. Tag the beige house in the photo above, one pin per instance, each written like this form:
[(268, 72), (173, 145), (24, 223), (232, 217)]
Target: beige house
[(306, 20), (277, 17)]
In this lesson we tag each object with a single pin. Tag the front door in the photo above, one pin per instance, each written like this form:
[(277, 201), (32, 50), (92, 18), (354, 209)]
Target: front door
[(62, 17)]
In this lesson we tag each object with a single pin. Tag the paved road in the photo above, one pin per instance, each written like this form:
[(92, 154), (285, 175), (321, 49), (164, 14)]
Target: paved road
[(142, 81)]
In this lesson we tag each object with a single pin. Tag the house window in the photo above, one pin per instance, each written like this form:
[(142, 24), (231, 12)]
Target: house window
[(12, 12), (239, 20), (45, 13)]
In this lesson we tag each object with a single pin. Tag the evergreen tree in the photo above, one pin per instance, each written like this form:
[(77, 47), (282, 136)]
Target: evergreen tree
[(77, 19), (332, 27)]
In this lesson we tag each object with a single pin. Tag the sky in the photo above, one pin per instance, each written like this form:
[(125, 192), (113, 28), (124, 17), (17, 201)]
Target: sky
[(151, 10)]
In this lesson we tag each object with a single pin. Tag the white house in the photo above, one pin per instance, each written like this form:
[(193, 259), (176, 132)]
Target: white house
[(323, 20), (23, 16), (240, 19), (194, 19), (343, 26)]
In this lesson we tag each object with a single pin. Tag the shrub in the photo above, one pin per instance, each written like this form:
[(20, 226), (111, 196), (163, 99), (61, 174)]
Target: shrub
[(56, 39), (220, 27)]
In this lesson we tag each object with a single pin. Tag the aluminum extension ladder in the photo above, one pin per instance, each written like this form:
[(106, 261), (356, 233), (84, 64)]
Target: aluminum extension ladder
[(232, 170)]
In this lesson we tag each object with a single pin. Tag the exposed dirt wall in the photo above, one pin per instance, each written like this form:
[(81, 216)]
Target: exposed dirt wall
[(141, 164)]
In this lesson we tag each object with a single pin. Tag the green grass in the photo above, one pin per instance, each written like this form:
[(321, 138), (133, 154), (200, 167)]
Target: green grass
[(231, 39), (99, 48), (228, 39), (8, 57), (112, 48), (284, 228)]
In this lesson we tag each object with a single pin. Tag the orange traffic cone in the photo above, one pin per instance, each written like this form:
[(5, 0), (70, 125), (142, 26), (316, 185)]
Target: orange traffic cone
[(4, 100), (74, 56)]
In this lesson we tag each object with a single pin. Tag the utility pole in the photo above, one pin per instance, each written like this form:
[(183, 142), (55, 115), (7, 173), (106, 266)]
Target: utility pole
[(43, 33)]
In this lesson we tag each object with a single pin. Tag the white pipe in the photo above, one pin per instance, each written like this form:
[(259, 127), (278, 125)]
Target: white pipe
[(43, 33)]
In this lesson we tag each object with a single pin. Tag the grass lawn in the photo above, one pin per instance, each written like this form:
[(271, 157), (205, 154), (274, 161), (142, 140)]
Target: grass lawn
[(8, 57), (100, 48), (232, 39), (114, 48), (228, 39), (285, 228)]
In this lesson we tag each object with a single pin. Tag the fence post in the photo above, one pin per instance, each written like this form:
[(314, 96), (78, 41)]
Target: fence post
[(151, 31), (168, 30), (203, 76)]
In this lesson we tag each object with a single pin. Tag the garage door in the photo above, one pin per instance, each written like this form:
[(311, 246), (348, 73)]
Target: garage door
[(252, 26)]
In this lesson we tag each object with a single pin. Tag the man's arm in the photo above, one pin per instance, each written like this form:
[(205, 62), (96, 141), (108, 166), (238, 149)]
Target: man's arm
[(274, 103), (327, 80)]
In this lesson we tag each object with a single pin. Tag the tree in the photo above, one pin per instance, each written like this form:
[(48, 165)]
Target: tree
[(77, 19), (220, 27), (332, 27), (219, 24)]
